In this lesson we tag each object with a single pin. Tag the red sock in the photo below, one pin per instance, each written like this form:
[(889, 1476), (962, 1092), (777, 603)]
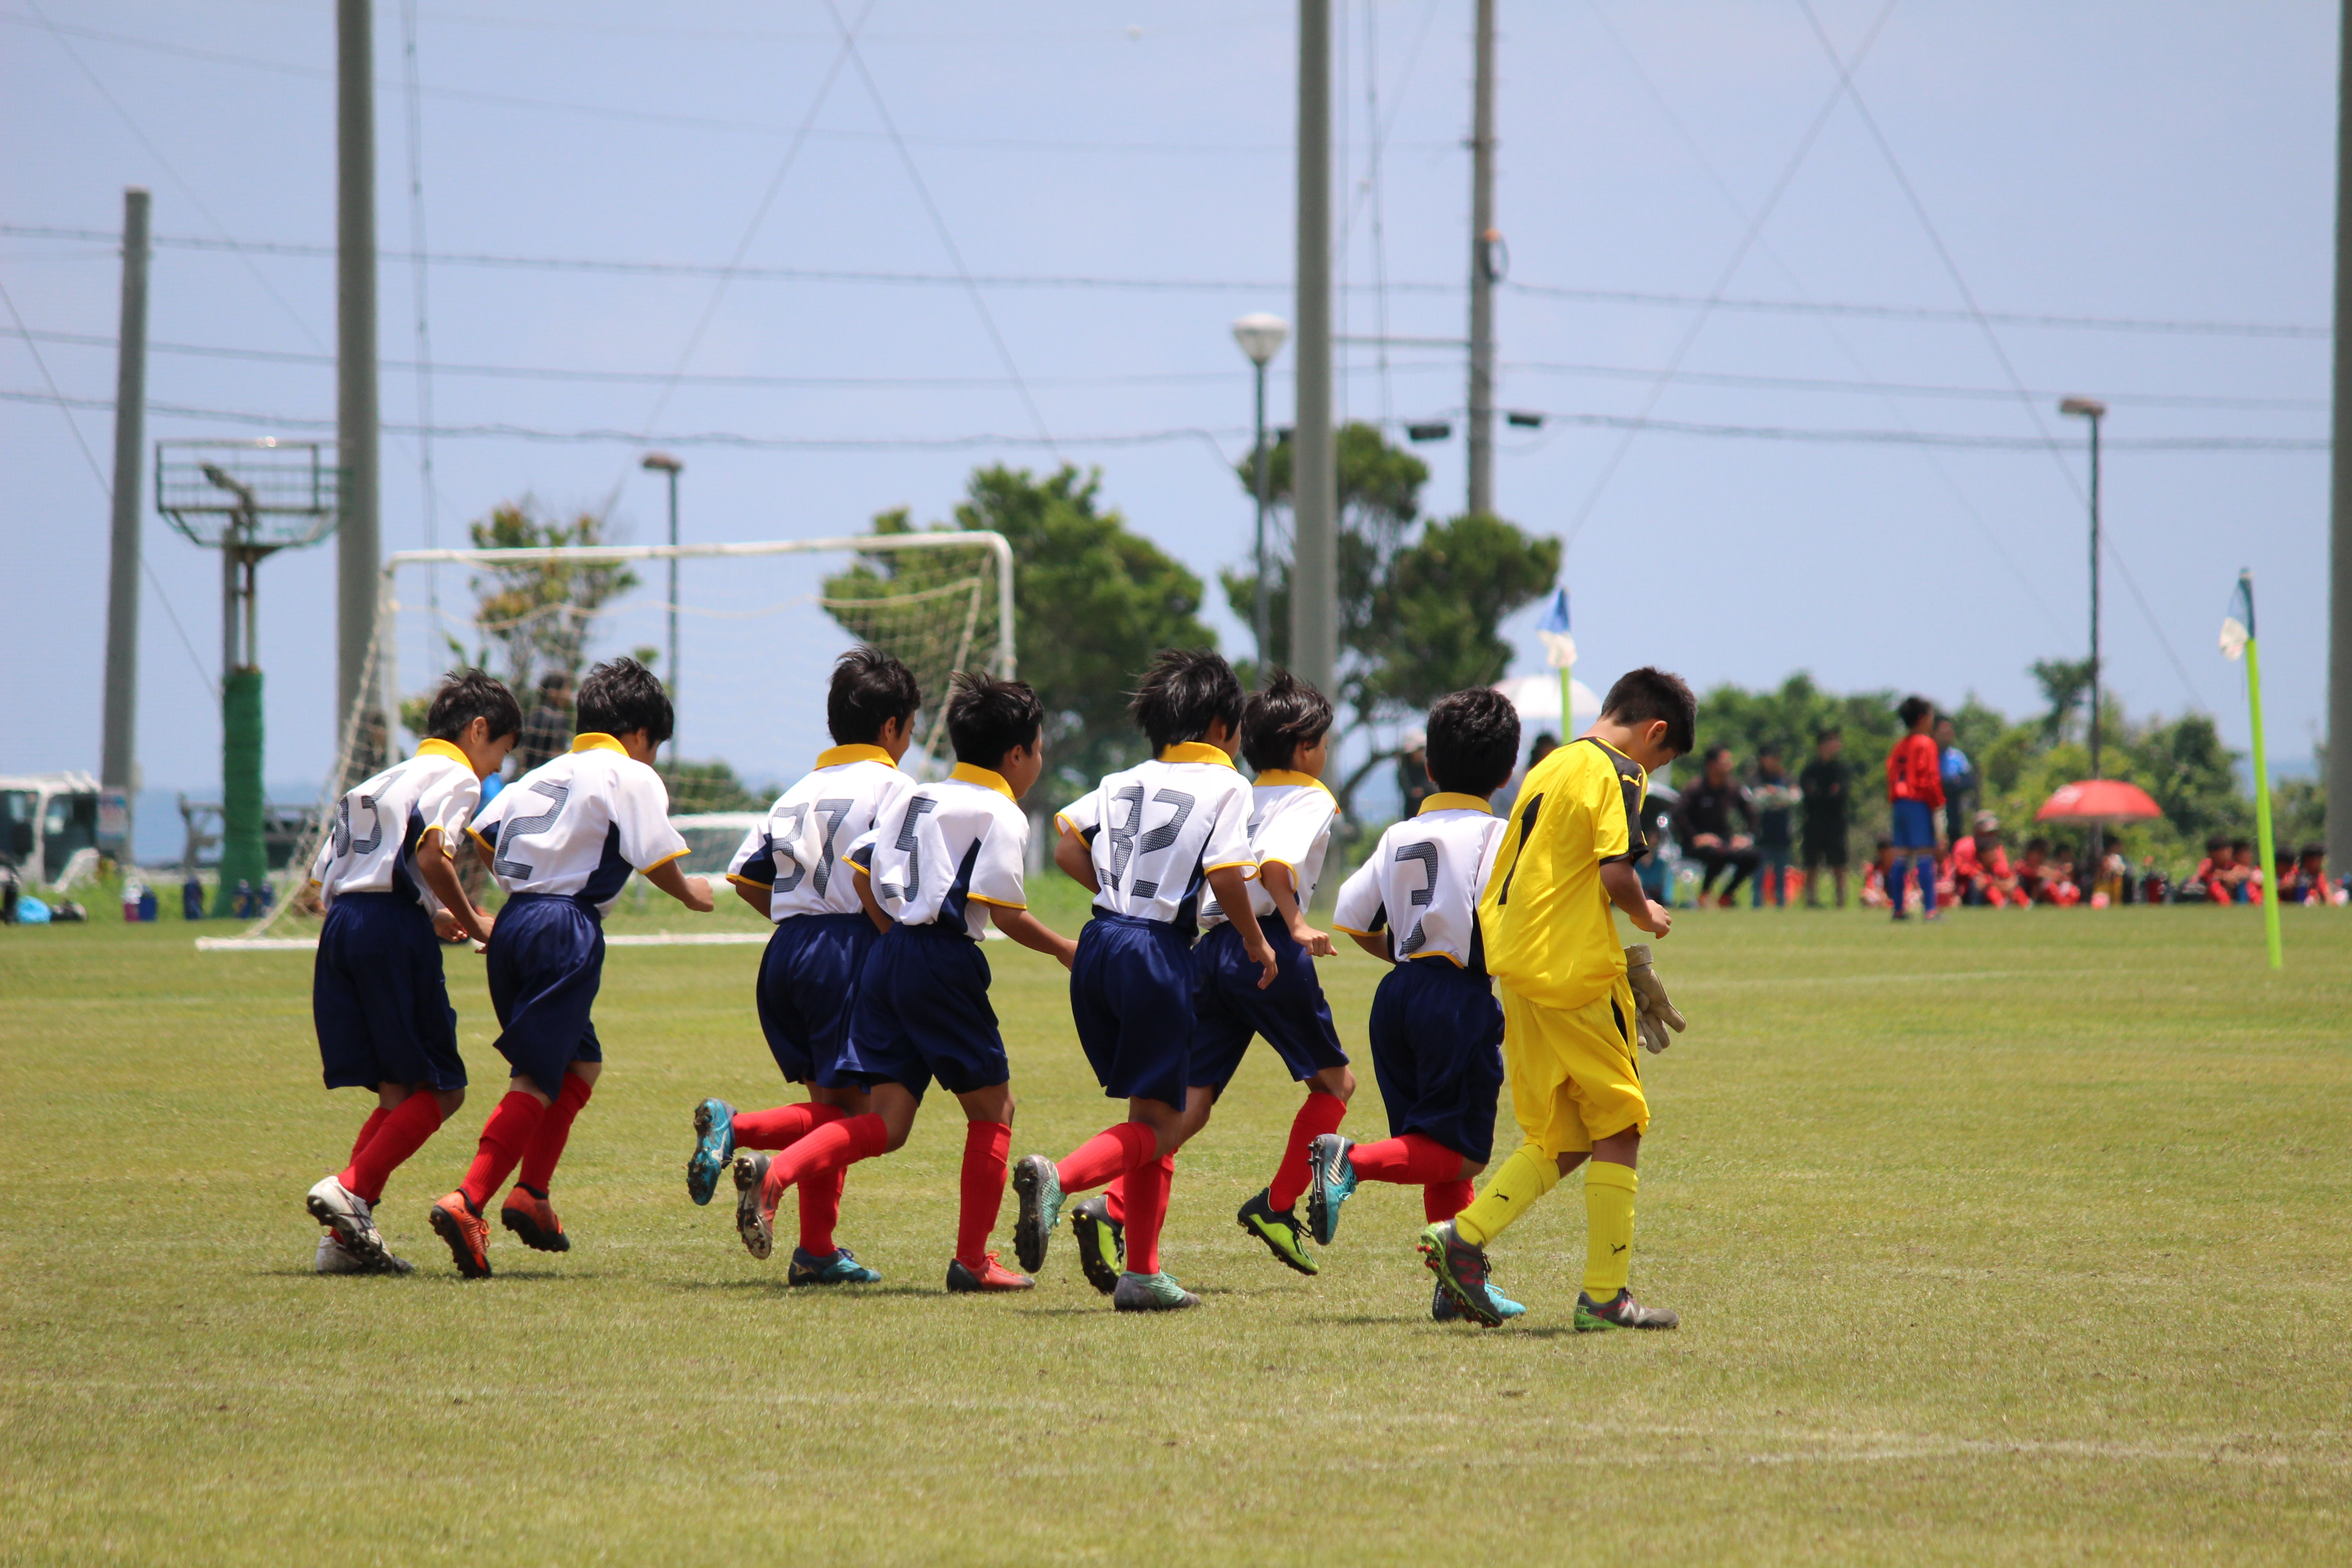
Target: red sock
[(1147, 1211), (1320, 1114), (782, 1127), (985, 1146), (504, 1136), (554, 1129), (1441, 1201), (401, 1133), (843, 1143), (1113, 1151), (1116, 1206), (368, 1130), (1412, 1160), (821, 1208)]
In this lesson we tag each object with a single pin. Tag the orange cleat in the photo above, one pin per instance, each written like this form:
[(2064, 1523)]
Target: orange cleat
[(989, 1276), (466, 1233), (534, 1219)]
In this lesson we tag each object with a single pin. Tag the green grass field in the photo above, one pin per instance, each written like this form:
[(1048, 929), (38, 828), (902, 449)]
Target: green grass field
[(2028, 1236)]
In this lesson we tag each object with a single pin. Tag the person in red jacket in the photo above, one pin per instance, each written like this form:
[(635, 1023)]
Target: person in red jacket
[(1915, 784)]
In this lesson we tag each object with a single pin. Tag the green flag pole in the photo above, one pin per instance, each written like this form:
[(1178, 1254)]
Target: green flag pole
[(2263, 846)]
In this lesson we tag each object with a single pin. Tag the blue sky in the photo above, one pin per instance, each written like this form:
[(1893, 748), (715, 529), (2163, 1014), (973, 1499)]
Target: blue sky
[(2159, 164)]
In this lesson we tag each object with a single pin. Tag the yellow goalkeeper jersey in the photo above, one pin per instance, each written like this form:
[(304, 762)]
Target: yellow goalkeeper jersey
[(1544, 915)]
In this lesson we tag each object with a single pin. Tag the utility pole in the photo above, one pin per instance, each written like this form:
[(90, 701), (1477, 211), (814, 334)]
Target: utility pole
[(2339, 600), (1314, 480), (1483, 239), (358, 554), (119, 759)]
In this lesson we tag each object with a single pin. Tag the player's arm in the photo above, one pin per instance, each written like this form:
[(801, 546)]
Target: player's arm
[(1075, 857), (1231, 884), (694, 892), (1375, 942), (440, 874), (1623, 885), (867, 901), (1283, 889), (750, 893), (1033, 933)]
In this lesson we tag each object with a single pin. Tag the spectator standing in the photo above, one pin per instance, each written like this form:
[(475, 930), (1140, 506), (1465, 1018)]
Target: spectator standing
[(1775, 799), (1412, 774), (547, 728), (1703, 827), (1826, 787), (1915, 787), (1959, 780)]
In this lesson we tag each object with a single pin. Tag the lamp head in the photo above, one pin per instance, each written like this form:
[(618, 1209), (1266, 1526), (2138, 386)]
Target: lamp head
[(662, 463), (1261, 336), (2088, 407)]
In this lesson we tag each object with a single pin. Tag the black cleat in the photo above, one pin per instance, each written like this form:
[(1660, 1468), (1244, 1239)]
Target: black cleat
[(1620, 1311), (1280, 1230), (1102, 1242)]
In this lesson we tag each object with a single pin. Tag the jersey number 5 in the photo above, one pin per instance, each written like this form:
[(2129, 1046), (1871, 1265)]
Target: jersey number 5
[(516, 826)]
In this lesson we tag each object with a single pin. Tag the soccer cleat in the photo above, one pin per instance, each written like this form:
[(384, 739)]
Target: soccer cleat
[(1039, 1187), (1620, 1311), (1330, 1182), (1102, 1242), (334, 1258), (755, 1223), (466, 1233), (841, 1268), (714, 1145), (1442, 1309), (1461, 1272), (533, 1218), (348, 1214), (1151, 1293), (1280, 1230), (990, 1276)]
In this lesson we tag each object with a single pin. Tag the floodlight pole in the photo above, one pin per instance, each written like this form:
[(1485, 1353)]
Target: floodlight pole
[(2339, 597), (1313, 473), (663, 463), (1483, 240), (358, 546), (118, 760), (2092, 409)]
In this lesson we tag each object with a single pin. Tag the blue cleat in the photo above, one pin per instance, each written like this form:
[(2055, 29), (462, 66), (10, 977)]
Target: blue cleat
[(1442, 1309), (841, 1268), (1151, 1293), (1038, 1185), (1330, 1182), (714, 1145)]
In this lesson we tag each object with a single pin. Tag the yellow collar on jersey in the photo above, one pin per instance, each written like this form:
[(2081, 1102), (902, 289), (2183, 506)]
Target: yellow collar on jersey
[(986, 778), (1447, 800), (439, 748), (597, 740), (1274, 777), (835, 755), (1197, 751)]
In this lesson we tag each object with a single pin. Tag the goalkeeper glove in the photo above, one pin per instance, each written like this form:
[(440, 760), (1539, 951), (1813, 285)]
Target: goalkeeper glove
[(1653, 1012)]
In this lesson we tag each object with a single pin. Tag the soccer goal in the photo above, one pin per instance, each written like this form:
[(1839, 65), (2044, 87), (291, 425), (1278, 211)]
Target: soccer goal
[(940, 601)]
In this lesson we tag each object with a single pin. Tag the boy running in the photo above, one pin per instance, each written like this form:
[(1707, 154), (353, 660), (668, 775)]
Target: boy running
[(1436, 1032), (377, 994), (790, 870), (941, 865), (561, 840), (1569, 1013), (1915, 787), (1146, 843)]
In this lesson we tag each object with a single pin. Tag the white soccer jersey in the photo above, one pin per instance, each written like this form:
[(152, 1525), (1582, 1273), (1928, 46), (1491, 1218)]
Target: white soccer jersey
[(945, 847), (1156, 831), (796, 854), (1289, 824), (372, 841), (577, 826), (1422, 881)]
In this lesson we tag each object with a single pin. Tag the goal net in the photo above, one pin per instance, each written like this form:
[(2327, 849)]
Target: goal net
[(762, 631)]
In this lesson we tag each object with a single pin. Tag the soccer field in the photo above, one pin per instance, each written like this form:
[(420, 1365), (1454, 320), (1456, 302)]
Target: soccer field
[(2022, 1237)]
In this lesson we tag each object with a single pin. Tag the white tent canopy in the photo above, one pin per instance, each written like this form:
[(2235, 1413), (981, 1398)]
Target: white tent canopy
[(1536, 698)]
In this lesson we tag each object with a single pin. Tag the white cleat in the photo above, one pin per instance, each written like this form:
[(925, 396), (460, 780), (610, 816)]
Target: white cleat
[(350, 1217), (334, 1258)]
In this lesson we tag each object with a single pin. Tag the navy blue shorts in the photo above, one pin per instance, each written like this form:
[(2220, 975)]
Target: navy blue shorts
[(378, 997), (1132, 998), (1914, 826), (1437, 1051), (923, 1012), (1229, 1010), (546, 960), (808, 988)]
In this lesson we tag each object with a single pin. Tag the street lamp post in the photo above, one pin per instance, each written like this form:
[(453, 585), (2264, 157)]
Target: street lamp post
[(2092, 409), (663, 463), (1261, 337)]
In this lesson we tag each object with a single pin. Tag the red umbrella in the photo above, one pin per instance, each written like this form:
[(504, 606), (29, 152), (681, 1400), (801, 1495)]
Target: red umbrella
[(2099, 800)]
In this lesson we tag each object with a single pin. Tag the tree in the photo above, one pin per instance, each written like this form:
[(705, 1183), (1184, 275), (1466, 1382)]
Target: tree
[(1092, 603), (2064, 683), (538, 614)]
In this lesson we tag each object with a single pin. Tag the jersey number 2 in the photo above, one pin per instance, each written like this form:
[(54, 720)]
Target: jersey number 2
[(516, 826)]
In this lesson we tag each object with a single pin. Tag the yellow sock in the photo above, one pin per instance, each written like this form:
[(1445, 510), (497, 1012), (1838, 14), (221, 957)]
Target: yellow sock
[(1525, 1177), (1609, 1228)]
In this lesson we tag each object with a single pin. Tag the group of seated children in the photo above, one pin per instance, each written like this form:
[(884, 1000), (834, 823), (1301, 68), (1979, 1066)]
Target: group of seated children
[(1978, 869)]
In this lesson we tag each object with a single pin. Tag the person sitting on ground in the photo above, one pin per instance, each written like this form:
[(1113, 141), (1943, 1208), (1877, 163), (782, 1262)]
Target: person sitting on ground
[(1703, 827), (2245, 874), (1981, 868), (2305, 882), (2155, 887), (2035, 872), (2209, 884), (1874, 875)]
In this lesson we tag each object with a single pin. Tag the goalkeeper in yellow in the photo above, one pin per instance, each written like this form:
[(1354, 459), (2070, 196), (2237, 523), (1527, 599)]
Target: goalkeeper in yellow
[(1574, 1003)]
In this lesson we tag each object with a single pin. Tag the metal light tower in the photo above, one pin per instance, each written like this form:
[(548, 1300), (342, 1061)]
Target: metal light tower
[(2092, 409), (1314, 452), (663, 463), (1484, 272), (119, 761), (1261, 337)]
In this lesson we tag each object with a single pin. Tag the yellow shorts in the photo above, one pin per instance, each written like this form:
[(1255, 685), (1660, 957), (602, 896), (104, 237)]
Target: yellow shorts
[(1572, 1073)]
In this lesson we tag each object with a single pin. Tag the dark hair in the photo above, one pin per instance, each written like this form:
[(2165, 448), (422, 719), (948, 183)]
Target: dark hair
[(1648, 693), (1912, 709), (467, 695), (621, 695), (870, 689), (989, 718), (2313, 852), (2040, 843), (1827, 732), (2215, 841), (1184, 692), (1473, 738), (2238, 844), (1288, 714), (555, 680), (1768, 750), (1718, 750)]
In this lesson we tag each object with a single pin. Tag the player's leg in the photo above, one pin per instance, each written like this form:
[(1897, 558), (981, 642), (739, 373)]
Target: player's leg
[(819, 1259), (987, 1144), (1296, 1020), (528, 1212), (348, 1058)]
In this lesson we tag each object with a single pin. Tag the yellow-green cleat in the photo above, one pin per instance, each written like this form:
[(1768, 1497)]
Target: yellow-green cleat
[(1280, 1230)]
